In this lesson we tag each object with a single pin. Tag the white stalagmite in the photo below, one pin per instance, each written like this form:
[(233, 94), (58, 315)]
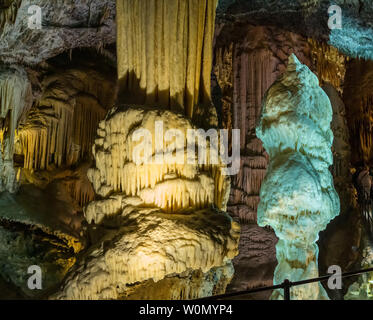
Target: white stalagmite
[(297, 198), (15, 99), (164, 216), (165, 52)]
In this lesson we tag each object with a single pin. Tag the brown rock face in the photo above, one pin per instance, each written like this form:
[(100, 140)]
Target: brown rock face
[(245, 67)]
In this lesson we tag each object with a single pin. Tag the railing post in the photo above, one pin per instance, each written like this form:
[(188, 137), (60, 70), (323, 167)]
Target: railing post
[(287, 285)]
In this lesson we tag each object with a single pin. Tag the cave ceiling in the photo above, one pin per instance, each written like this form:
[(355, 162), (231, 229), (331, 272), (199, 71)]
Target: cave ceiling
[(78, 23)]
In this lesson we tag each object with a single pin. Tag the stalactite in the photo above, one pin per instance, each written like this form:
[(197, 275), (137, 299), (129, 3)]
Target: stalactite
[(341, 146), (223, 69), (170, 186), (245, 70), (80, 187), (15, 93), (165, 52)]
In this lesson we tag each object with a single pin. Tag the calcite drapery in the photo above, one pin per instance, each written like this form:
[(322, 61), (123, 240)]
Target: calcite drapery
[(60, 129), (298, 198), (15, 99), (153, 235), (358, 99), (165, 52)]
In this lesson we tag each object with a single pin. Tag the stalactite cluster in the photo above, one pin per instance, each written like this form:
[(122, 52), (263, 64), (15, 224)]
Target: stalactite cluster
[(170, 186), (245, 69), (8, 12), (165, 52), (330, 64), (60, 129), (358, 99), (297, 197)]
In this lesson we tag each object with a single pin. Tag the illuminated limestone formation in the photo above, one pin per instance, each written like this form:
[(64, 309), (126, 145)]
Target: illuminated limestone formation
[(362, 289), (60, 129), (165, 52), (159, 222), (169, 181), (37, 231), (8, 11), (15, 98), (165, 218), (245, 69), (298, 198)]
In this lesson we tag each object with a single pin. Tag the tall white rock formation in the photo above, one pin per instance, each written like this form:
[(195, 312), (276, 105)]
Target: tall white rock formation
[(298, 198)]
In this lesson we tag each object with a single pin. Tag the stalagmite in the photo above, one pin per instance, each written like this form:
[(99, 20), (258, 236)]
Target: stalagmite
[(171, 185), (297, 197), (245, 69)]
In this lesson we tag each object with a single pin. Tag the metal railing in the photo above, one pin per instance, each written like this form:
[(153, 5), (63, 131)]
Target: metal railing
[(286, 285)]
